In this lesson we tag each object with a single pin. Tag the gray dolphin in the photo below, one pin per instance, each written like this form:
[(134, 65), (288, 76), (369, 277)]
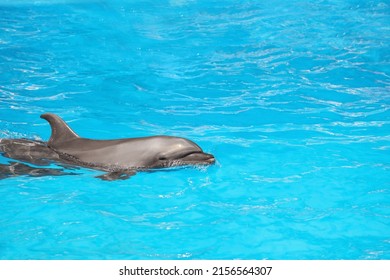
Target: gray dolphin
[(120, 158)]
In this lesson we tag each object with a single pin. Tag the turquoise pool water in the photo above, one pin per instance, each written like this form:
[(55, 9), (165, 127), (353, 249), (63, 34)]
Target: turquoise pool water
[(292, 98)]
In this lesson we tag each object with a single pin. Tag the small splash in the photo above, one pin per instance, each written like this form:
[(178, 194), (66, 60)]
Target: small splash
[(33, 87), (184, 256)]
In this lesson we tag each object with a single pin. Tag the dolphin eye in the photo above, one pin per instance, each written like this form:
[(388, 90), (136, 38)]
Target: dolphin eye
[(162, 158)]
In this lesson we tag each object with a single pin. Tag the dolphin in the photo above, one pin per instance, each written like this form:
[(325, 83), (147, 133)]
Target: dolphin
[(121, 158)]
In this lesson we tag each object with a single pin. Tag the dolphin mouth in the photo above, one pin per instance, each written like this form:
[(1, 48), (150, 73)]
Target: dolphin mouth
[(198, 158)]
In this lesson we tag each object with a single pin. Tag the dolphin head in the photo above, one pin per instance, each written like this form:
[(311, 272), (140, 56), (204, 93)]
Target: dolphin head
[(176, 151)]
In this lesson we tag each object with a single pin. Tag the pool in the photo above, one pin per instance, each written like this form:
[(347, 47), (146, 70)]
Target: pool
[(292, 98)]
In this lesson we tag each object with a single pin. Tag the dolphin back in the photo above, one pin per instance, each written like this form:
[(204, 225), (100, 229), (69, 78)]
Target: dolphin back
[(60, 131)]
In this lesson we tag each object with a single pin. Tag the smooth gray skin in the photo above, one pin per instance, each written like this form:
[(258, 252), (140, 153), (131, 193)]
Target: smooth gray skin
[(123, 156), (120, 158)]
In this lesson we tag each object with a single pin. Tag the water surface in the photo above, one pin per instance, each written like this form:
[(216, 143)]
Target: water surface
[(292, 97)]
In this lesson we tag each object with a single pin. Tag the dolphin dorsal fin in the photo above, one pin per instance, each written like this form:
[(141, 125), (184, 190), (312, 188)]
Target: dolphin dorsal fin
[(60, 131)]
